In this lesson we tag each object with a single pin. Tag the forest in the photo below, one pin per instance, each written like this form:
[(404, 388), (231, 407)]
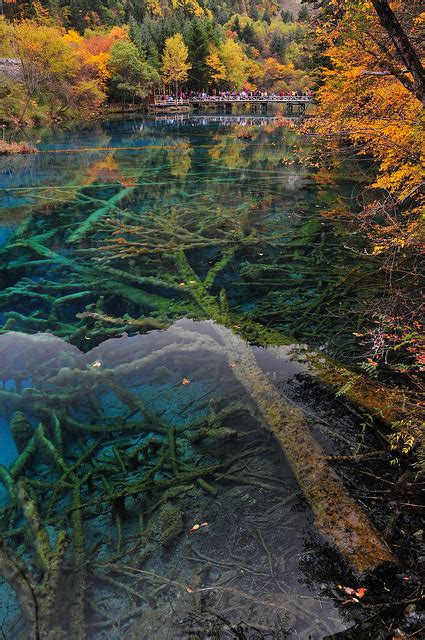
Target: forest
[(83, 56)]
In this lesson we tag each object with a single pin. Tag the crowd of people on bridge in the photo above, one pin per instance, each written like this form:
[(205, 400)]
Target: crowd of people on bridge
[(235, 95)]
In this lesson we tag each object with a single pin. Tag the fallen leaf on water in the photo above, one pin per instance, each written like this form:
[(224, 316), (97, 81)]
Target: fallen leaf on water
[(197, 526), (354, 594), (185, 381), (373, 363)]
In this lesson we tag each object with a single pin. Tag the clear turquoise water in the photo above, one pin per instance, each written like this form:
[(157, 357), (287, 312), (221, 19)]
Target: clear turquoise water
[(127, 247)]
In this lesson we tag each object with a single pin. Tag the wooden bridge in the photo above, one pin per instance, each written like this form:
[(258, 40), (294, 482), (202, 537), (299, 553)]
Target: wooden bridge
[(225, 104)]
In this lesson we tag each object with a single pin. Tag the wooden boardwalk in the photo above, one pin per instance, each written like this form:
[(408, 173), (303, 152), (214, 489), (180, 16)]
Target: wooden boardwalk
[(225, 103)]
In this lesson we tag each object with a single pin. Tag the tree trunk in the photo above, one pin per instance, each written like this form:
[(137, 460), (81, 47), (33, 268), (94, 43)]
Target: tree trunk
[(403, 46)]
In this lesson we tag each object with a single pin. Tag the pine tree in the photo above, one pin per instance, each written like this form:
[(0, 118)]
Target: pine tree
[(236, 27), (267, 17), (303, 14), (199, 42)]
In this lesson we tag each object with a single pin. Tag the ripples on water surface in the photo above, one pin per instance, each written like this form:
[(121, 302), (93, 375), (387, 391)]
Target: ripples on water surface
[(127, 248)]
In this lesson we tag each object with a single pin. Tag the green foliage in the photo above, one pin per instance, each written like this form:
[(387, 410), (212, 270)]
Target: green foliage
[(131, 76), (201, 35)]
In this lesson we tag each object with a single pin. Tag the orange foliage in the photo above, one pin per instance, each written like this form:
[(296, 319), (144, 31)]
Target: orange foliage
[(93, 49), (69, 69)]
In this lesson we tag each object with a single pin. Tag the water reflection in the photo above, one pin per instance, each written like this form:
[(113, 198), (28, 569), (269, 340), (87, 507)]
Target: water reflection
[(147, 500), (238, 196)]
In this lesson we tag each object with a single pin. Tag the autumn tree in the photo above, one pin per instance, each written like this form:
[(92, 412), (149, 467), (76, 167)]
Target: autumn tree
[(235, 63), (217, 70), (403, 47), (372, 93), (49, 64), (175, 65)]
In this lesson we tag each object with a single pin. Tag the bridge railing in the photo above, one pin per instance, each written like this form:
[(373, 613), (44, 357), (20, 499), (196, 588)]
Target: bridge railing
[(160, 102), (251, 99), (226, 99)]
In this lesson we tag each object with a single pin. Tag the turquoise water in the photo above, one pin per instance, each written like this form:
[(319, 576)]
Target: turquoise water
[(131, 250)]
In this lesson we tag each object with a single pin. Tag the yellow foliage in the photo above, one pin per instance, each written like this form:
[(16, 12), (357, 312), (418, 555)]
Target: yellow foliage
[(362, 100), (174, 60), (68, 69), (218, 70), (155, 8), (235, 62), (190, 5)]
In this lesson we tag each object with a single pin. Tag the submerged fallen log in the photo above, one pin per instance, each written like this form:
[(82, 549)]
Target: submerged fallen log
[(337, 516)]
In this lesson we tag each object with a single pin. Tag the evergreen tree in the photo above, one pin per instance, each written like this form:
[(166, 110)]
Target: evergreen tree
[(254, 13), (198, 41), (236, 26), (303, 14), (267, 17), (135, 9), (249, 36), (278, 46)]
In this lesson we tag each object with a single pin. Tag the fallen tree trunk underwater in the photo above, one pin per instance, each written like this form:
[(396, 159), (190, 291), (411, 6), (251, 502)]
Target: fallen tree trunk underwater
[(337, 516)]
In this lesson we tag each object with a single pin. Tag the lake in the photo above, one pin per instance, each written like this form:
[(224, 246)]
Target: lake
[(164, 282)]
